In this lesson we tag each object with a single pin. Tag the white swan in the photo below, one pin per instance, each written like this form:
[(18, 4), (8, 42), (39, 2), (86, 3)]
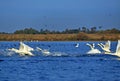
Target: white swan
[(93, 50), (45, 52), (117, 53), (77, 45), (105, 47), (23, 50)]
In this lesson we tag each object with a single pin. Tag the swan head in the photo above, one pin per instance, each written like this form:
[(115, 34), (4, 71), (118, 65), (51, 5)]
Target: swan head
[(88, 44), (93, 45)]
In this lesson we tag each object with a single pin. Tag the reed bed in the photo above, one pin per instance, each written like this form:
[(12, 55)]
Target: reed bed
[(58, 37)]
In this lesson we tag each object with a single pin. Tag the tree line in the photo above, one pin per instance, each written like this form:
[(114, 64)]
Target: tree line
[(66, 31)]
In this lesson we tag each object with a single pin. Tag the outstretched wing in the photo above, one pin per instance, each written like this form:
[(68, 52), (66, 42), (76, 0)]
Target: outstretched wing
[(107, 45), (118, 47), (28, 48), (21, 46), (118, 50), (25, 47)]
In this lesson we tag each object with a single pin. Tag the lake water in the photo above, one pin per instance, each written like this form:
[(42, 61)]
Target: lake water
[(71, 64)]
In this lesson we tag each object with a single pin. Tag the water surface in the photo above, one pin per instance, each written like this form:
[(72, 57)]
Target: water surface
[(73, 64)]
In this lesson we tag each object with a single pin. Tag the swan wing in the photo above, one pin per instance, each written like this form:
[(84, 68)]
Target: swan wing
[(28, 48), (107, 45), (118, 47), (118, 51), (21, 46), (25, 47)]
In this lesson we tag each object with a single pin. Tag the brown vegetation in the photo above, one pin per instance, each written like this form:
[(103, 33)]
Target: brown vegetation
[(59, 37), (40, 37)]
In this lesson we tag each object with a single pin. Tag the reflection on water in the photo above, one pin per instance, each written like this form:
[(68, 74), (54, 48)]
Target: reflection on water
[(66, 63)]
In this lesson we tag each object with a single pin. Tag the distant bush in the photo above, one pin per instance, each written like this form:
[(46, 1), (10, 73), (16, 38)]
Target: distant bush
[(27, 31), (92, 30)]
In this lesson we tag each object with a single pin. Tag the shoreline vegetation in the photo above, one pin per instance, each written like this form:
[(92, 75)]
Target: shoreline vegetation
[(59, 37), (30, 34)]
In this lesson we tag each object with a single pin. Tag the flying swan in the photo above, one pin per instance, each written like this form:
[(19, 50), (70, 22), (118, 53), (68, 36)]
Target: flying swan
[(44, 51), (93, 50), (117, 53), (105, 47), (23, 50)]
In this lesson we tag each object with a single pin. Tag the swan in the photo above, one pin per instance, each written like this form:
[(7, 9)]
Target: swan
[(77, 45), (93, 50), (117, 53), (45, 52), (23, 50), (105, 47)]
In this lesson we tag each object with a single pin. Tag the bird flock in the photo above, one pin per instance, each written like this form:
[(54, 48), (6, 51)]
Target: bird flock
[(105, 47), (27, 50)]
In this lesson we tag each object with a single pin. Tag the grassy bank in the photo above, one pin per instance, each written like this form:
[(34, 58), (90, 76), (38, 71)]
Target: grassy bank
[(59, 37)]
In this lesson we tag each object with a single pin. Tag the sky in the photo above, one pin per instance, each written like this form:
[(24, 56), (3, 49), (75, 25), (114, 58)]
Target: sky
[(58, 14)]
